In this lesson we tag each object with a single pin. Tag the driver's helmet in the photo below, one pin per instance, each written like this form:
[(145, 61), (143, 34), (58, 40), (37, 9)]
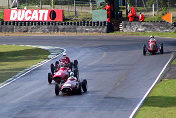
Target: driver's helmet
[(152, 36), (71, 74), (64, 54), (61, 64)]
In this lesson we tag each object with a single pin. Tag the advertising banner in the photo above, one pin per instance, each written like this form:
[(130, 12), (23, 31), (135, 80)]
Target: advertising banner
[(33, 15)]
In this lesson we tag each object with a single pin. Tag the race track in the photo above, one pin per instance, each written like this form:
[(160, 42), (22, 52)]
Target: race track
[(118, 77)]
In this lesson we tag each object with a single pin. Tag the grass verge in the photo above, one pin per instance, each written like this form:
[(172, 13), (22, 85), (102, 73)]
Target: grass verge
[(161, 103), (14, 59), (1, 15), (156, 34), (174, 62)]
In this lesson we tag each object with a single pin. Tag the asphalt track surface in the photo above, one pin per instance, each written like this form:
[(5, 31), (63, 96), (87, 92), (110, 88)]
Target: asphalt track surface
[(118, 76)]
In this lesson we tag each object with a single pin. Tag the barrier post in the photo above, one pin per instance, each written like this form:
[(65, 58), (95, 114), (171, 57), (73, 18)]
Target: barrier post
[(153, 6)]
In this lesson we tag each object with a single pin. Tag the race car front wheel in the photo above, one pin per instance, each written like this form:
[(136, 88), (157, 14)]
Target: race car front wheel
[(57, 89), (161, 48), (52, 69), (84, 85), (79, 88), (144, 50), (49, 78)]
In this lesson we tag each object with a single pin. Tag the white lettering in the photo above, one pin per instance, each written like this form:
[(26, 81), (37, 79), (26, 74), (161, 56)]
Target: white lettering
[(41, 14), (27, 17), (46, 15), (21, 15), (13, 15), (35, 15)]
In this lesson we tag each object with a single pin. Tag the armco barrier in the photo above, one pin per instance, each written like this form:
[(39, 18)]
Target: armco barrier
[(157, 26), (44, 27)]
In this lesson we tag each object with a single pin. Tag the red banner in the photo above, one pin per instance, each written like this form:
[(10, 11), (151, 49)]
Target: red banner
[(33, 15)]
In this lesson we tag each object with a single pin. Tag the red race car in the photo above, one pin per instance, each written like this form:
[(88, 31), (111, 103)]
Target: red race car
[(71, 86), (61, 73), (153, 47), (66, 61), (71, 65)]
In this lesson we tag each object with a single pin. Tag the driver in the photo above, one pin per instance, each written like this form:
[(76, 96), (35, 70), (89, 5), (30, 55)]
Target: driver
[(152, 38), (72, 77), (67, 68), (65, 58)]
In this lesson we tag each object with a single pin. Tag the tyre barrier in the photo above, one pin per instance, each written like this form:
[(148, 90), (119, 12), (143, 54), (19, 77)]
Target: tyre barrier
[(121, 27), (82, 26), (151, 26), (174, 24)]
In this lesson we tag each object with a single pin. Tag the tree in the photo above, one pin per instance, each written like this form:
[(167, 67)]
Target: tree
[(150, 2), (172, 3), (163, 5)]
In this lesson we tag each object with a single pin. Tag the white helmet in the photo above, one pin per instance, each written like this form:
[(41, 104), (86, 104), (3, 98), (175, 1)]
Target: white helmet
[(151, 36), (72, 74), (64, 54)]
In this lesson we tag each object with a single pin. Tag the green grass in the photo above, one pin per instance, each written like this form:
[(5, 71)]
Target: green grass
[(148, 18), (174, 62), (117, 33), (161, 103), (153, 18), (1, 15), (82, 16), (157, 18), (14, 59), (156, 34)]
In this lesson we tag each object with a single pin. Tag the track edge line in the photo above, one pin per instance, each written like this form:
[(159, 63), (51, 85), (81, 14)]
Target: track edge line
[(159, 77)]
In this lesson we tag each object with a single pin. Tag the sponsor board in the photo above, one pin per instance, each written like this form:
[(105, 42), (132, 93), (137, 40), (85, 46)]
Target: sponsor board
[(33, 15)]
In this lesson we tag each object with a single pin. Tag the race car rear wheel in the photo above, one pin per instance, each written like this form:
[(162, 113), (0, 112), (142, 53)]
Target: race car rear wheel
[(52, 69), (57, 89), (161, 48), (144, 50), (75, 63), (84, 85), (49, 78), (56, 63), (76, 73)]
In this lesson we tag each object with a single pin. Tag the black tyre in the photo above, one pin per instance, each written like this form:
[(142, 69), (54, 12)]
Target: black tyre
[(52, 69), (71, 66), (56, 63), (49, 78), (144, 50), (75, 63), (57, 89), (161, 48), (79, 88), (76, 73), (84, 85)]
